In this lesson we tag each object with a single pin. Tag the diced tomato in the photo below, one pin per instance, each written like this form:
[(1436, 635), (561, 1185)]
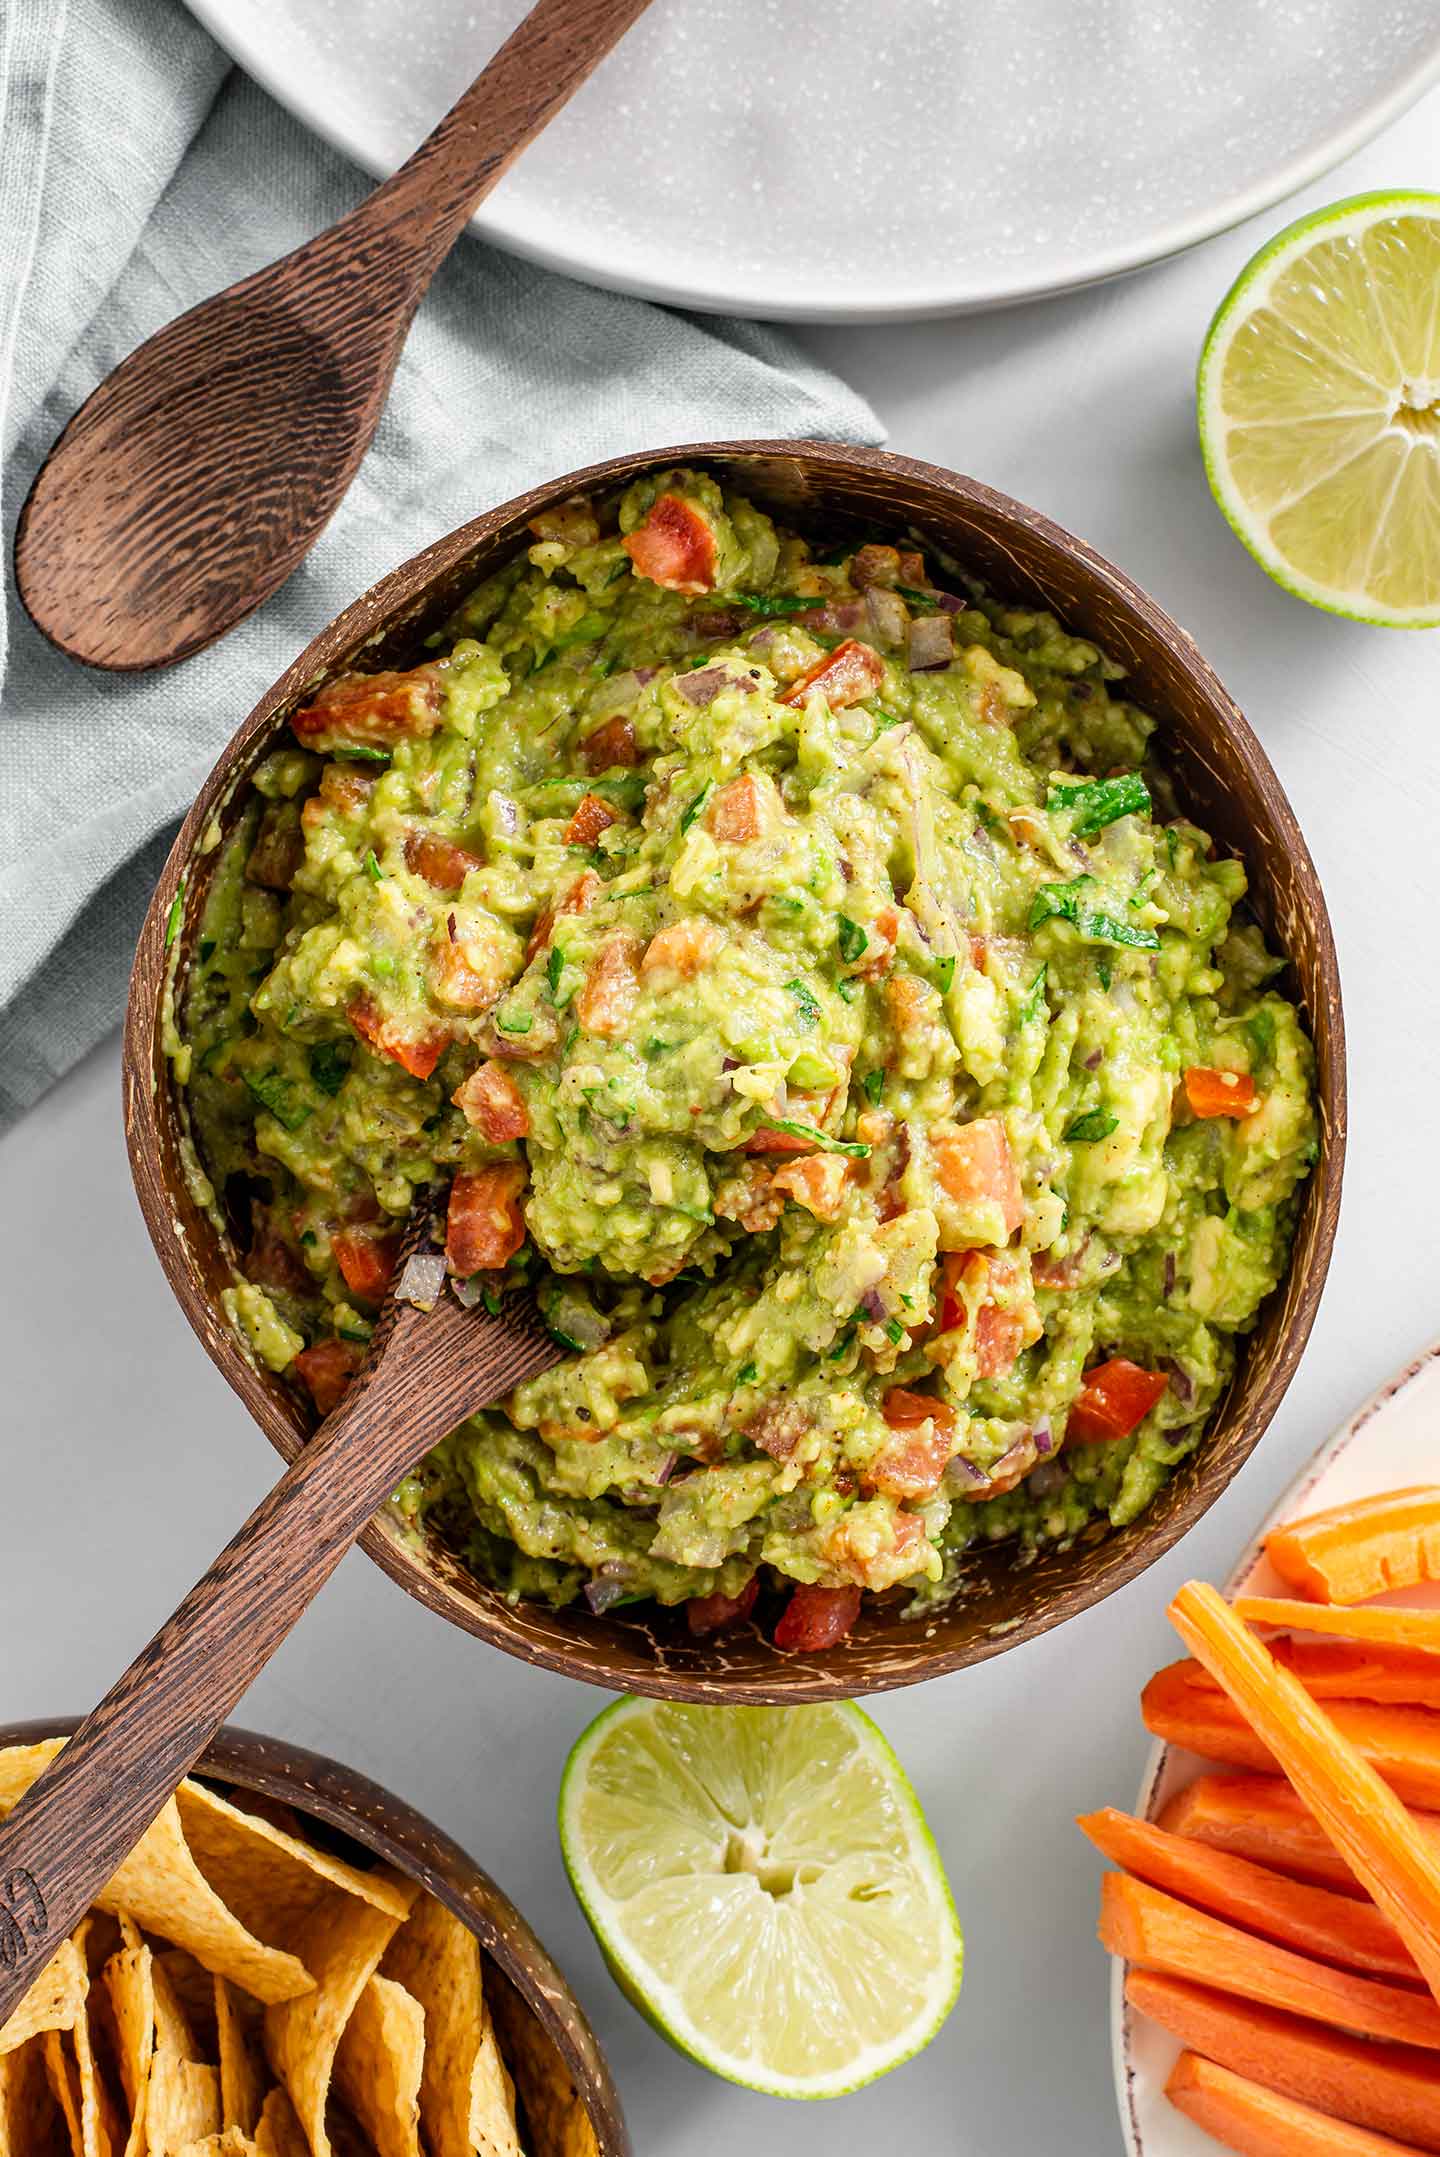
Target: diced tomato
[(607, 996), (577, 900), (417, 1054), (817, 1183), (1005, 1323), (592, 816), (492, 1102), (712, 1613), (457, 982), (367, 1262), (736, 815), (912, 568), (816, 1618), (1115, 1398), (913, 1465), (327, 1369), (279, 848), (684, 948), (1219, 1093), (910, 1004), (485, 1224), (374, 709), (1057, 1273), (610, 745), (674, 547), (850, 673), (975, 1166), (440, 862)]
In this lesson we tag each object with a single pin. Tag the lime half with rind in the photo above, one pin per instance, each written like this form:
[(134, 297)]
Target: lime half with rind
[(764, 1887), (1319, 408)]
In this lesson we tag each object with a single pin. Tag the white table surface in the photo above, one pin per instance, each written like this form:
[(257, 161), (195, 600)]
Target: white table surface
[(127, 1462)]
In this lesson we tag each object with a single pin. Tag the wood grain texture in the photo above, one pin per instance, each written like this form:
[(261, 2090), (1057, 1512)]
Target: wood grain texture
[(1226, 781), (200, 473), (425, 1371), (383, 1826)]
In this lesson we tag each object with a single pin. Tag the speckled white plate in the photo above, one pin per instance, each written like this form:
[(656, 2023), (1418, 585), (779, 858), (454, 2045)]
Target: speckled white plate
[(1390, 1443), (851, 160)]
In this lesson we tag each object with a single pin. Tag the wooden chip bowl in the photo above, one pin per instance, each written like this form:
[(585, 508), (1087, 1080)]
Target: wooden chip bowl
[(1226, 782), (549, 2047)]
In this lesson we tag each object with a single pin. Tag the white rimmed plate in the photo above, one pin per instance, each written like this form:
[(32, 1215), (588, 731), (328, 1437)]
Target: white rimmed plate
[(1389, 1443), (839, 161)]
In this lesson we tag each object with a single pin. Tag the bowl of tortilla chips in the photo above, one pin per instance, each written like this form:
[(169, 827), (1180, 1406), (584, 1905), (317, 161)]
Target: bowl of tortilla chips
[(293, 1963)]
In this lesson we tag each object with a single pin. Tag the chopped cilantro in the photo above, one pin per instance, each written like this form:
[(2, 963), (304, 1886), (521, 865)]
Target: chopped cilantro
[(945, 972), (872, 1086), (885, 719), (746, 1375), (927, 600), (1103, 970), (207, 949), (383, 965), (554, 968), (1095, 1124), (853, 939), (360, 752), (842, 1344), (1103, 929), (176, 914), (372, 867), (1062, 902), (894, 1331), (656, 1047), (848, 990), (806, 1008), (570, 1040), (491, 1301), (993, 823), (689, 815), (354, 1333), (514, 1022), (1034, 1002), (773, 602), (822, 1139), (566, 1340), (280, 1095), (307, 1236), (329, 1061), (1098, 802), (1260, 1026)]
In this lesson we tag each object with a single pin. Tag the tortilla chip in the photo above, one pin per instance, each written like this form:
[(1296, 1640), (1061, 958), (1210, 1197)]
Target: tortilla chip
[(342, 1941), (182, 2104), (280, 2133), (272, 1881), (162, 1888), (88, 2108), (265, 1807), (466, 2101), (130, 1989), (555, 2113), (194, 1989), (30, 2121), (378, 2064), (53, 2001), (231, 2143), (242, 2080)]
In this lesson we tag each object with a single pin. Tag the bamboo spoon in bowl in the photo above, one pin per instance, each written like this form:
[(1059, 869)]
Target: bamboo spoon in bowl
[(202, 471), (427, 1369)]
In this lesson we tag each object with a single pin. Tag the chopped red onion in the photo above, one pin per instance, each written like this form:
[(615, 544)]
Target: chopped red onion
[(667, 1468), (948, 602), (887, 613), (703, 686), (1182, 1385), (603, 1594), (620, 690), (468, 1293), (422, 1279), (1169, 1273), (840, 617), (1094, 1060), (1043, 1437), (960, 1470), (872, 1303), (507, 813), (717, 622), (930, 642)]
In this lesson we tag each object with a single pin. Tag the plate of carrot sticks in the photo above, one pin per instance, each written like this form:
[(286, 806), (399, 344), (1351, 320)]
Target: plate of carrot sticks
[(1274, 1911)]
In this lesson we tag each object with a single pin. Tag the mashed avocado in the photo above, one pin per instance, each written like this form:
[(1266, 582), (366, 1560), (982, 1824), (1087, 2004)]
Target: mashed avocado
[(794, 963)]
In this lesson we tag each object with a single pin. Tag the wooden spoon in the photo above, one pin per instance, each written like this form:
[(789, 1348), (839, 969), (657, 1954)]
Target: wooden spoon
[(425, 1372), (197, 476)]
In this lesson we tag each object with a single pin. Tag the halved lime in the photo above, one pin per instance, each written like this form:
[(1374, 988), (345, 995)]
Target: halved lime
[(764, 1887), (1319, 408)]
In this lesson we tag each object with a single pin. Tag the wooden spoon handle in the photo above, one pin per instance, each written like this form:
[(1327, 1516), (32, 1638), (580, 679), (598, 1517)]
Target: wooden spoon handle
[(86, 1813), (423, 207)]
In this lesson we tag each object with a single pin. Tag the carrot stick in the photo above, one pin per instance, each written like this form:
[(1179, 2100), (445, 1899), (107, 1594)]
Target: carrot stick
[(1393, 2088), (1159, 1933), (1258, 2122), (1391, 1857), (1350, 1670), (1330, 1927), (1392, 1628), (1350, 1552), (1260, 1817), (1400, 1744)]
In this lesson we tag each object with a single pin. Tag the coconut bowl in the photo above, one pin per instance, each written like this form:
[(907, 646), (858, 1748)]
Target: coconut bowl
[(1224, 780), (559, 2070)]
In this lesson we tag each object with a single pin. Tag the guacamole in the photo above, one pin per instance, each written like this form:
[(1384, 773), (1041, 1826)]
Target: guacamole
[(792, 963)]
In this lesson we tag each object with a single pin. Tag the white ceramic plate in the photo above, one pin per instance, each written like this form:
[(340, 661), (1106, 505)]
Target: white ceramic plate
[(1390, 1443), (851, 160)]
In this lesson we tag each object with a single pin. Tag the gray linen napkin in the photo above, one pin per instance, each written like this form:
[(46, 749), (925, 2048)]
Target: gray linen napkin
[(137, 174)]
